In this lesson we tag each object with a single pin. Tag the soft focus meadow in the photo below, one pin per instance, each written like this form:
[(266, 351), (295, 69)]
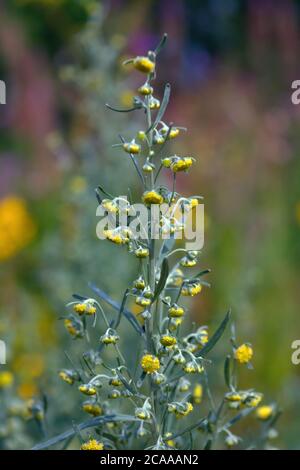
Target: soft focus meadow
[(230, 65)]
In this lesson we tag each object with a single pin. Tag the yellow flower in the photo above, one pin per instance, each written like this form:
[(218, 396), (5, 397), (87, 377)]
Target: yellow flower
[(197, 394), (253, 399), (109, 205), (116, 382), (85, 307), (87, 389), (143, 301), (92, 408), (141, 413), (233, 396), (264, 412), (110, 337), (67, 376), (243, 354), (175, 311), (191, 289), (202, 336), (192, 368), (193, 202), (150, 364), (154, 103), (176, 278), (17, 228), (92, 444), (132, 147), (152, 197), (143, 64), (148, 167), (145, 89), (158, 378), (175, 323), (141, 252), (187, 262), (116, 236), (71, 327), (172, 134), (158, 139), (184, 385), (91, 310), (179, 358), (231, 440), (80, 308), (169, 441), (114, 394), (6, 379), (168, 341), (180, 409), (139, 283), (166, 162), (181, 164)]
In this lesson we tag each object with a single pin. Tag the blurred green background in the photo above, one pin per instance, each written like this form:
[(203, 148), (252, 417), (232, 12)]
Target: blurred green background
[(231, 65)]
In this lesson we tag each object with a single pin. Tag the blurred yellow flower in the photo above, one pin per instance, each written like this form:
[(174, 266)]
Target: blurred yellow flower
[(6, 379), (78, 184), (17, 228), (197, 394), (27, 390), (264, 412), (126, 98), (29, 365)]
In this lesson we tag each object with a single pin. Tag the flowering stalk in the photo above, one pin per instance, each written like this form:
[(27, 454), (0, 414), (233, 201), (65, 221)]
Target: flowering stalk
[(172, 380)]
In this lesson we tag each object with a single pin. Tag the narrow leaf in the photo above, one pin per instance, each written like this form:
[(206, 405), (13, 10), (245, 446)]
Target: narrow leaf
[(121, 308), (163, 279), (161, 44), (92, 423), (79, 297), (202, 273), (105, 192), (227, 371), (208, 445), (216, 336), (238, 417), (122, 110)]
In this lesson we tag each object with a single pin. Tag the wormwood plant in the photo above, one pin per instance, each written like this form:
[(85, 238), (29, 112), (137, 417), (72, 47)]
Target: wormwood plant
[(164, 401)]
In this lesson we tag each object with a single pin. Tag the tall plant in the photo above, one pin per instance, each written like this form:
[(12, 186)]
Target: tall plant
[(155, 393)]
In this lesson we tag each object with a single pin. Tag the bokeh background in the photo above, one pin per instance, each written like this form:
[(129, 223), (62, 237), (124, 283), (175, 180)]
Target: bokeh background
[(231, 65)]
